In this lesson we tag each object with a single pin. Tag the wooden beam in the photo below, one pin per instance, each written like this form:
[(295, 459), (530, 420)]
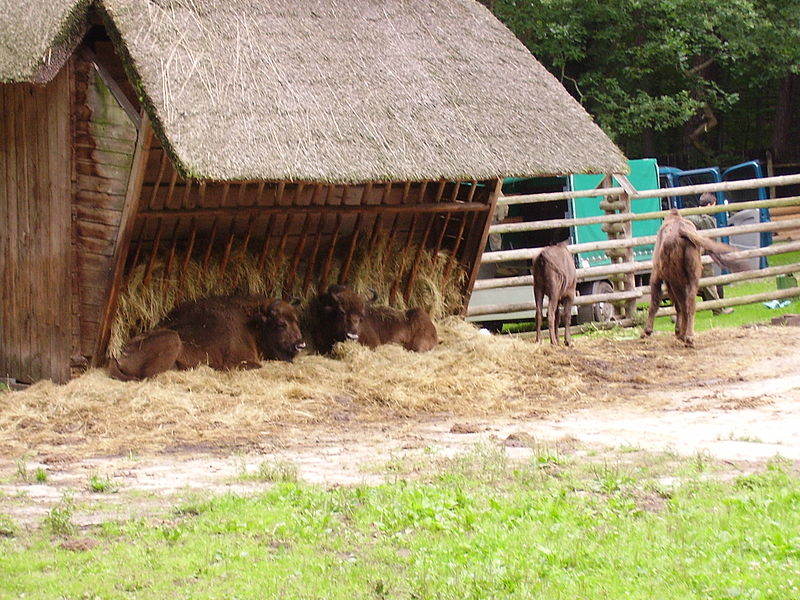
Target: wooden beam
[(133, 197), (438, 207), (114, 88), (475, 243)]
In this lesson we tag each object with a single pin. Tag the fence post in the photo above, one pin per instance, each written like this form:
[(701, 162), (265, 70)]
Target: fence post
[(629, 282), (618, 230)]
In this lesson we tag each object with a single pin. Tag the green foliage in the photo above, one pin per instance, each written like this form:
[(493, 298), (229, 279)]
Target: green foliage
[(656, 65)]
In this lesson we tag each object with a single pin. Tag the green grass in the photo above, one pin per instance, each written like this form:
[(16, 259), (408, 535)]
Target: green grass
[(271, 470), (100, 484), (476, 526), (745, 313)]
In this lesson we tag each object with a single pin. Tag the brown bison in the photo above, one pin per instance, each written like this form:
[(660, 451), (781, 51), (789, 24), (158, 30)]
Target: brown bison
[(224, 332), (344, 315), (554, 276), (677, 264)]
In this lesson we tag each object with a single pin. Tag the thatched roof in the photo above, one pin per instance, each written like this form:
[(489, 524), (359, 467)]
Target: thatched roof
[(349, 90), (37, 37)]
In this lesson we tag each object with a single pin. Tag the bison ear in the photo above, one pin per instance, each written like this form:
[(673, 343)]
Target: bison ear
[(272, 310)]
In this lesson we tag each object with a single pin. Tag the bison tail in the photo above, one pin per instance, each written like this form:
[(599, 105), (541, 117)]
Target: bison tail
[(731, 264), (716, 250)]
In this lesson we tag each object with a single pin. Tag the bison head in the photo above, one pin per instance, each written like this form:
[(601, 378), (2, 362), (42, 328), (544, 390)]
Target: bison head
[(341, 312), (278, 332)]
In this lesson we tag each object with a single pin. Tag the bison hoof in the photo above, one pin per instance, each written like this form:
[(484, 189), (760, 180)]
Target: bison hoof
[(646, 333)]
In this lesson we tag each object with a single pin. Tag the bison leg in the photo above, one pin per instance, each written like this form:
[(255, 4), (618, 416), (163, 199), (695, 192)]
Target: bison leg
[(690, 303), (566, 315), (552, 319), (424, 336), (684, 302), (147, 355), (655, 302), (249, 364), (688, 332), (538, 296)]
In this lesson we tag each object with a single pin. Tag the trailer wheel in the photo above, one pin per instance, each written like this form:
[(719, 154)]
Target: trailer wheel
[(602, 312)]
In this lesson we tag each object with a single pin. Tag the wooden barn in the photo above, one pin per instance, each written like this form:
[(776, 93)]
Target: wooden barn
[(142, 134)]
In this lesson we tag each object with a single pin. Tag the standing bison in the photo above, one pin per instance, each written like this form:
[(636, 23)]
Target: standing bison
[(341, 315), (677, 264), (224, 332), (554, 276)]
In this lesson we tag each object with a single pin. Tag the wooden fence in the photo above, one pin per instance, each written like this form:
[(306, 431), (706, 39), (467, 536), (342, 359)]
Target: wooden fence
[(616, 202)]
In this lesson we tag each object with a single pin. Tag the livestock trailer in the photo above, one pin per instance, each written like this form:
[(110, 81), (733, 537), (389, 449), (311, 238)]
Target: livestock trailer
[(672, 177)]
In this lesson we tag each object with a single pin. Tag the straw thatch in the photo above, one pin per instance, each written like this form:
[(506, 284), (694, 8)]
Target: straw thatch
[(346, 91), (37, 37)]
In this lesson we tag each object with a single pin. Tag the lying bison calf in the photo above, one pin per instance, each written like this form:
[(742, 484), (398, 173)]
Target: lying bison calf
[(224, 332), (344, 315), (677, 264), (554, 276)]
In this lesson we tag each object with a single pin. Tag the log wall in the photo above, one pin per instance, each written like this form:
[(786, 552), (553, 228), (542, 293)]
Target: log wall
[(104, 140), (35, 244)]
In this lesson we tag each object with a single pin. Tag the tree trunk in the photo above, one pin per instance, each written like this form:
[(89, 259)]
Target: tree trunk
[(648, 142), (785, 107)]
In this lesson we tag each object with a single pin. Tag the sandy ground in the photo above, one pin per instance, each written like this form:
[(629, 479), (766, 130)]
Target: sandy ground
[(747, 420)]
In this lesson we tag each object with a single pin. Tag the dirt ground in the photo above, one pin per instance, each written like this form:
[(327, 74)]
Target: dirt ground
[(736, 397)]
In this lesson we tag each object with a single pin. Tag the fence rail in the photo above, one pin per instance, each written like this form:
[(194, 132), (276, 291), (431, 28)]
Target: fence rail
[(622, 272)]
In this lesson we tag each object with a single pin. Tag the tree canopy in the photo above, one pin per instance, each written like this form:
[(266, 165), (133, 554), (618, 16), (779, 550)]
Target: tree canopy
[(712, 80)]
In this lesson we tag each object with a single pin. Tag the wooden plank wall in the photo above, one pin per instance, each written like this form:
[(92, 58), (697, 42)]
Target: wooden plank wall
[(105, 139), (35, 257)]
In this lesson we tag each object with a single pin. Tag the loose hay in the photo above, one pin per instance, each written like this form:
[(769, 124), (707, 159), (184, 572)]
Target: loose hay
[(468, 375)]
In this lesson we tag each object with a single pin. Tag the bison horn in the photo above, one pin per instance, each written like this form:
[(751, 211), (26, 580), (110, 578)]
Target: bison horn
[(373, 295)]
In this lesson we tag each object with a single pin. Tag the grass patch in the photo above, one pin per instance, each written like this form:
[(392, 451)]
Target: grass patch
[(272, 470), (475, 526), (58, 520), (100, 484), (8, 527)]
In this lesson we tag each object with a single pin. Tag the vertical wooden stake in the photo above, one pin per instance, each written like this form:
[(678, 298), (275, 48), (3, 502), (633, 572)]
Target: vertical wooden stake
[(476, 242), (186, 258)]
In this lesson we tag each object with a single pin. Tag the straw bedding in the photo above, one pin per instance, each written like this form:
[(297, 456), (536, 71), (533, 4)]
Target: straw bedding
[(468, 375)]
